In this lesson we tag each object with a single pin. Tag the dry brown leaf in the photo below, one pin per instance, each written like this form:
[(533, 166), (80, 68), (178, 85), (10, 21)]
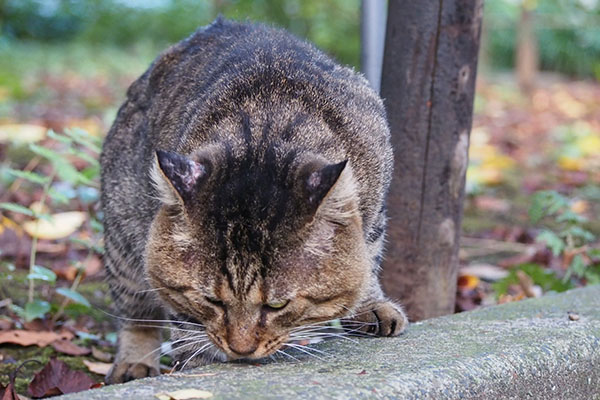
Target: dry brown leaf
[(59, 225), (30, 338), (101, 355), (70, 348), (57, 378), (184, 394), (100, 368)]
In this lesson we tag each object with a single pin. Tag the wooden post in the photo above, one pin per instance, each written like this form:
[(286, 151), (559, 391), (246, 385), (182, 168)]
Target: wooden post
[(428, 86)]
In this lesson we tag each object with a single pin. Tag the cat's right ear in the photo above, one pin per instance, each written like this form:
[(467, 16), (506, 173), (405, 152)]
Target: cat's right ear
[(176, 177)]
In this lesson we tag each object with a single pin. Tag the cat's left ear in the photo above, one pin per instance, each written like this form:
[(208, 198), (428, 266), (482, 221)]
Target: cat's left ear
[(177, 178)]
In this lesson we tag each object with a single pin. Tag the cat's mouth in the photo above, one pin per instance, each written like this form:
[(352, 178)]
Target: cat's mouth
[(264, 348)]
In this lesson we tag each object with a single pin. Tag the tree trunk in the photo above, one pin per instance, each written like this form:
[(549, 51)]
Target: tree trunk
[(428, 84)]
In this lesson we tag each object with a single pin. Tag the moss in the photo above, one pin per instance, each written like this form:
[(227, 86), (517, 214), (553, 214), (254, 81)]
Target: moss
[(28, 370)]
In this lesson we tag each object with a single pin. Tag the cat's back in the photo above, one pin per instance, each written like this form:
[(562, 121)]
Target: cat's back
[(179, 104)]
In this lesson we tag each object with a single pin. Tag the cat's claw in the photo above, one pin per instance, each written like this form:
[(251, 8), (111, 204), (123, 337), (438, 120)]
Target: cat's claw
[(382, 319), (124, 372)]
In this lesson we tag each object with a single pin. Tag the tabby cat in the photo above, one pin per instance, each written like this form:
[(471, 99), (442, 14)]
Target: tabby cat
[(243, 189)]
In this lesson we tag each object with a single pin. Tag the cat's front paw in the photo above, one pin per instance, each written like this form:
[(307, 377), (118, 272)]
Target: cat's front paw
[(124, 372), (380, 319)]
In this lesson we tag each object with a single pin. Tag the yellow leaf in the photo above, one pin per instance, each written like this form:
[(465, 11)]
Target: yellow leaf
[(579, 206), (58, 226), (21, 133), (589, 144), (571, 164), (90, 125), (184, 394)]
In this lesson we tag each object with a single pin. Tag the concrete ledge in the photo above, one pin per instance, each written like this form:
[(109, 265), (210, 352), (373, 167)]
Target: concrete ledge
[(525, 350)]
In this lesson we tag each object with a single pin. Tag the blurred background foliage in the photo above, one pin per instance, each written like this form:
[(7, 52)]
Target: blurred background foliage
[(568, 31)]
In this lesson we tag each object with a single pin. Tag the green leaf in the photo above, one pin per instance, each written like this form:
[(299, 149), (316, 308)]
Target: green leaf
[(42, 274), (577, 266), (45, 152), (74, 296), (16, 208), (579, 233), (36, 309), (18, 310), (29, 176), (85, 157), (545, 278), (571, 217), (57, 196), (85, 139), (552, 241), (594, 253), (59, 137), (545, 203)]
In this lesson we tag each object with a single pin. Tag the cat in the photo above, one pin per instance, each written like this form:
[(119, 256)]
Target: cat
[(243, 191)]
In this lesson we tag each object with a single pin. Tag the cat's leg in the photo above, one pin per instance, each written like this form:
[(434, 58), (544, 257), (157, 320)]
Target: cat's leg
[(376, 314), (138, 345), (138, 354)]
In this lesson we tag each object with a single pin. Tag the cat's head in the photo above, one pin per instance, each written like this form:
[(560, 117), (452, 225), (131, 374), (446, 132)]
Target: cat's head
[(255, 243)]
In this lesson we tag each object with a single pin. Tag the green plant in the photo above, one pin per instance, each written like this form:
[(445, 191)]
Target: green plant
[(565, 235), (75, 144)]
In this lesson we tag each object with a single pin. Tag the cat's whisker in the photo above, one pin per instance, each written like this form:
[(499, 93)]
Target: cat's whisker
[(323, 336), (150, 290), (186, 339), (172, 328), (305, 349), (200, 350), (286, 354), (152, 320)]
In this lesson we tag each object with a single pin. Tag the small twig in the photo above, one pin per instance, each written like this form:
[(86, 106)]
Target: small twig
[(526, 283), (34, 241), (34, 162), (74, 286)]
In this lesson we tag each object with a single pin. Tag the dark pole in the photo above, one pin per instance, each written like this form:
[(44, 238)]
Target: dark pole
[(428, 85)]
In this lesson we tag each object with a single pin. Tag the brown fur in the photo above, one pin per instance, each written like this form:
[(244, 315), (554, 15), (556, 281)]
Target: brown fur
[(245, 169)]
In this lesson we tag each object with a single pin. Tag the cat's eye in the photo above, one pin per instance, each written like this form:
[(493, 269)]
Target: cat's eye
[(214, 301), (277, 305)]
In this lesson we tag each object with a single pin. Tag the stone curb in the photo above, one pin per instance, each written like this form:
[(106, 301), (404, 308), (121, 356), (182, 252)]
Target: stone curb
[(525, 350)]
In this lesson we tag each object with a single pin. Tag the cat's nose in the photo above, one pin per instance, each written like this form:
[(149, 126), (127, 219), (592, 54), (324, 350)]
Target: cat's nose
[(243, 349)]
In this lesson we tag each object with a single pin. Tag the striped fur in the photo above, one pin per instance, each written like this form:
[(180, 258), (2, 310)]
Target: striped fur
[(245, 168)]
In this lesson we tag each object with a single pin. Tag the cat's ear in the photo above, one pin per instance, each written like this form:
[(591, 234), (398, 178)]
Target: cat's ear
[(319, 181), (177, 177)]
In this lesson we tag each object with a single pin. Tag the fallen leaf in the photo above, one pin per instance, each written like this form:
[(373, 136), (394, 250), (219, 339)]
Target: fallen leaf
[(100, 368), (184, 394), (57, 378), (21, 133), (70, 348), (487, 272), (8, 392), (101, 355), (466, 282), (59, 225), (29, 338)]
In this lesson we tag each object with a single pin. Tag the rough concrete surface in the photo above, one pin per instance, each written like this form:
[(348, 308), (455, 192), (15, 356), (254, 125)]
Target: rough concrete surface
[(525, 350)]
